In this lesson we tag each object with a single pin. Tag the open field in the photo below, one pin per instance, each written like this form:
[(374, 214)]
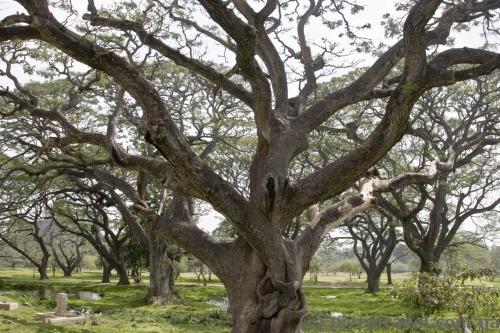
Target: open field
[(123, 308)]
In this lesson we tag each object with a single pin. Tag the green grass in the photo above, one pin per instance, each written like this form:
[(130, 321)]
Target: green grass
[(124, 308), (354, 302)]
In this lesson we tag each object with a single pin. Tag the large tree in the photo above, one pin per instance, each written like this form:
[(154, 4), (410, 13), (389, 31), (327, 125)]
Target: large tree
[(212, 120), (26, 233), (374, 239), (67, 252), (87, 215), (458, 124), (269, 267), (24, 223)]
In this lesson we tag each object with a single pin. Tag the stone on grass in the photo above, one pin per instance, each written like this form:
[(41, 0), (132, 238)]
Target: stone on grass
[(62, 304), (61, 316), (8, 305)]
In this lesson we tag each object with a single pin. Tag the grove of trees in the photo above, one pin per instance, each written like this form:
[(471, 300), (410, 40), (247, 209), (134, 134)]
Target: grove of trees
[(123, 122)]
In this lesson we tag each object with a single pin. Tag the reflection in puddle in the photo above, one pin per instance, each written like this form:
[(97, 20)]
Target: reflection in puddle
[(221, 303)]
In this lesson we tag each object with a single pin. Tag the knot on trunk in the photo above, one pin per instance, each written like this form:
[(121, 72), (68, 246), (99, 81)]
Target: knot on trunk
[(273, 187), (282, 304)]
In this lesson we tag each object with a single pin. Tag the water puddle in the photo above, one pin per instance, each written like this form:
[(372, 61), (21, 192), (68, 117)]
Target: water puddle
[(45, 293), (336, 314), (221, 303)]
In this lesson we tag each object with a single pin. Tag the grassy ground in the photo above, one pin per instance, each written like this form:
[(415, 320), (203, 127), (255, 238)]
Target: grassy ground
[(124, 309)]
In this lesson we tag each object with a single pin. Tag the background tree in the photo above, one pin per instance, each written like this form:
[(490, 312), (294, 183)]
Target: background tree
[(328, 253), (374, 239), (26, 228), (209, 120), (388, 268), (67, 251), (351, 267), (202, 271), (495, 257), (86, 216), (136, 259), (462, 254), (458, 124), (11, 258), (314, 270)]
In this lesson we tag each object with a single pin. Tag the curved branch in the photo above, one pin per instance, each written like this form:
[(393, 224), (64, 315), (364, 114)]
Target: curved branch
[(196, 66), (320, 223), (190, 173)]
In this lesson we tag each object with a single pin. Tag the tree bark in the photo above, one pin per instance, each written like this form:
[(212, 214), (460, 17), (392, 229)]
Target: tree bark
[(259, 305), (160, 273), (173, 276), (106, 273), (388, 268), (44, 264), (246, 309), (429, 264), (42, 270), (67, 272), (122, 275), (373, 282)]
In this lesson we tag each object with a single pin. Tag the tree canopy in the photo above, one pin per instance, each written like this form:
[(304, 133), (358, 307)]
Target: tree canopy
[(117, 116)]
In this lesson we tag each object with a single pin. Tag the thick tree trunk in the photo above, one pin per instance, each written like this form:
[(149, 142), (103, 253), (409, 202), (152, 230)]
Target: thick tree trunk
[(160, 273), (106, 273), (430, 265), (174, 274), (250, 315), (260, 306), (373, 282), (122, 275), (388, 268), (67, 272), (42, 270)]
